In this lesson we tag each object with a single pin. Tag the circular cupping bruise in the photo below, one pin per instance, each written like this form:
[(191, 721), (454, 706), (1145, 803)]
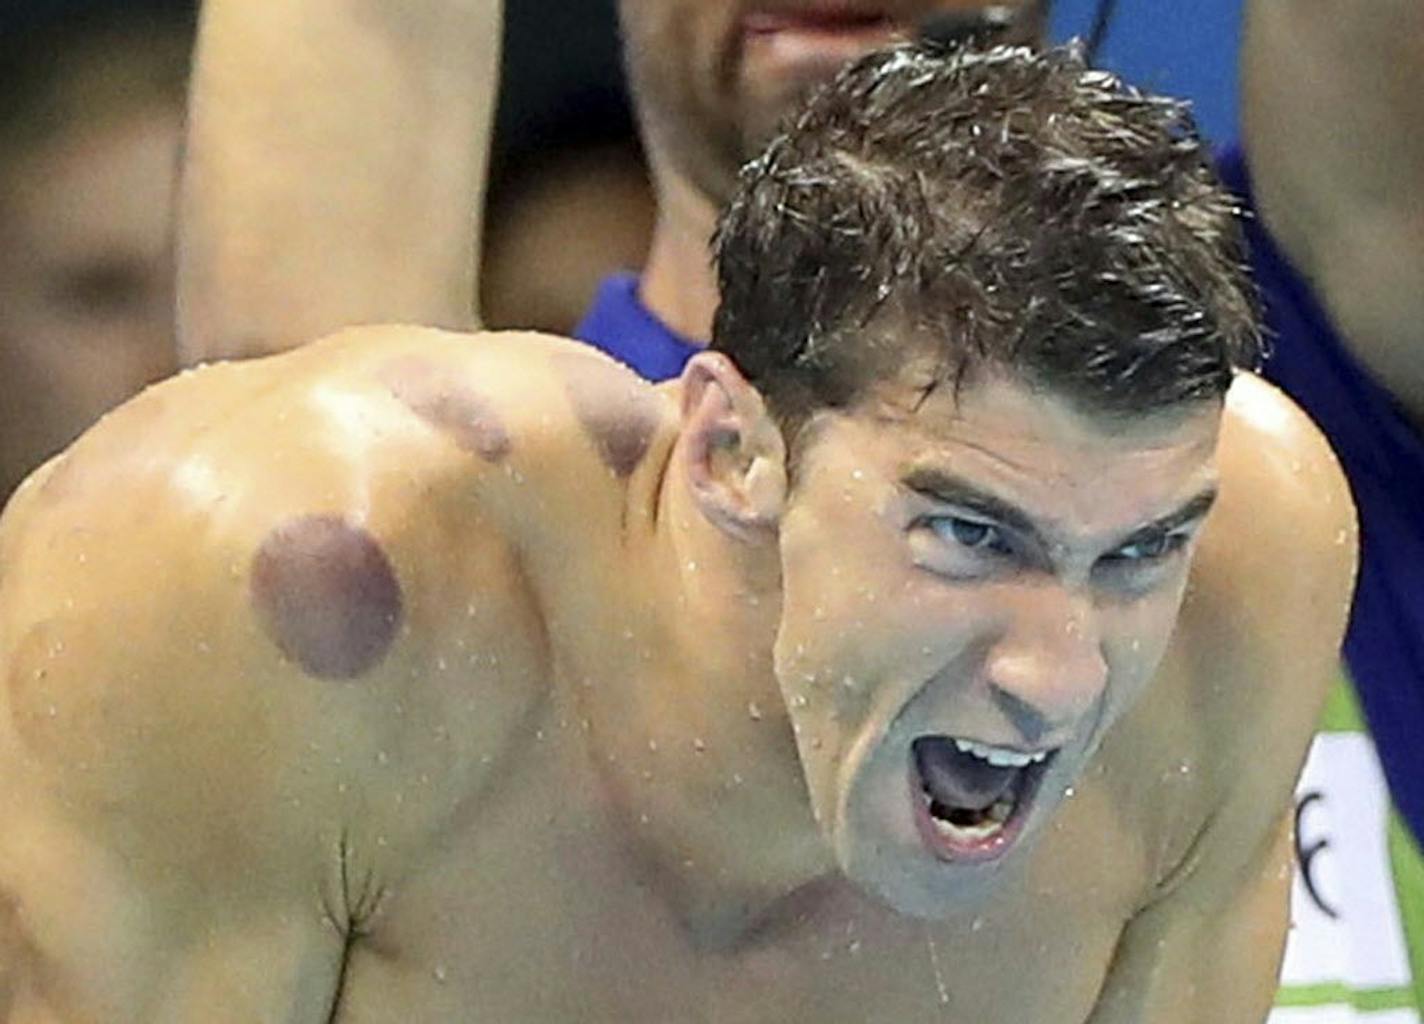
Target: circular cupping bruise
[(450, 406), (327, 595), (615, 407)]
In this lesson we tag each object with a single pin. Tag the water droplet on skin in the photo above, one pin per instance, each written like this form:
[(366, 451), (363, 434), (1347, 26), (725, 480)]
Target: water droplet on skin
[(699, 746), (938, 971), (800, 701), (1342, 536), (1184, 768), (754, 711), (691, 566), (857, 474), (736, 779), (854, 947), (439, 974), (816, 743), (382, 757), (440, 664), (977, 924), (643, 819), (539, 734), (1070, 792), (653, 746), (849, 683)]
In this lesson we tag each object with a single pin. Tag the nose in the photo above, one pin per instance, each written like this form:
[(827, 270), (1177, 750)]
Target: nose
[(1046, 669)]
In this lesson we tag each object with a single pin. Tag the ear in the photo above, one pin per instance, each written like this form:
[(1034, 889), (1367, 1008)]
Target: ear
[(734, 455)]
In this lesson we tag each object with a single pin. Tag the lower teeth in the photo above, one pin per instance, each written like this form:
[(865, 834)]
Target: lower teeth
[(989, 822)]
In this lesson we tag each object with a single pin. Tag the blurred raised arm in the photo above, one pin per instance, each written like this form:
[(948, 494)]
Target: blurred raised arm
[(1333, 122), (335, 169)]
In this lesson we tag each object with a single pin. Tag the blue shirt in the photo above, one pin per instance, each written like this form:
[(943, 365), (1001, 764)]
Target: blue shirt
[(1382, 454), (619, 324)]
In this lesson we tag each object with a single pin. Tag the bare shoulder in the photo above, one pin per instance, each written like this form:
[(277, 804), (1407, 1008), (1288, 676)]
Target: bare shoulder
[(263, 598), (1273, 580), (1259, 637)]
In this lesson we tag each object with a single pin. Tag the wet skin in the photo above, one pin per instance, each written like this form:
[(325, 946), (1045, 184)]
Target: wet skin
[(337, 709)]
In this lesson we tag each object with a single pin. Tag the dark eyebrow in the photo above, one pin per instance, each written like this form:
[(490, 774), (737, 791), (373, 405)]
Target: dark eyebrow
[(944, 487), (1194, 509), (937, 485)]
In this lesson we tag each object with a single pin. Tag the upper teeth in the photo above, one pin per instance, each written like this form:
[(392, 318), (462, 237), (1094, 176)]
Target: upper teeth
[(998, 756)]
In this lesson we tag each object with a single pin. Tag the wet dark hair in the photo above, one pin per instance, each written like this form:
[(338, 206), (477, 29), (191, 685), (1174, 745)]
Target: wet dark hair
[(1004, 209)]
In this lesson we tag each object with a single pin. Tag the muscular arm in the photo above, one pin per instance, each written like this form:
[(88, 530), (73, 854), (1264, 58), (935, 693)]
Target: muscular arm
[(1264, 622), (1333, 122), (336, 159)]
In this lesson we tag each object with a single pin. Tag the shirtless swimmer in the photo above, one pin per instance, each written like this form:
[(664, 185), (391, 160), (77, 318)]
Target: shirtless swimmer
[(942, 646)]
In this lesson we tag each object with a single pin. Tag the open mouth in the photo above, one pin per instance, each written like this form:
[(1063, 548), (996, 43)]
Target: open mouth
[(970, 799)]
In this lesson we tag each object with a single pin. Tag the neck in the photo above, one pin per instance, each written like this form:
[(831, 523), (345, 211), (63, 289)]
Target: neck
[(679, 284), (706, 762)]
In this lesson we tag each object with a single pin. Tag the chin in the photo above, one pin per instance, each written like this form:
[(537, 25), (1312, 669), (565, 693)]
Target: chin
[(886, 841)]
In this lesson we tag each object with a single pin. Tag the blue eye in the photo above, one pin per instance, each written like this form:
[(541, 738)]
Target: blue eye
[(969, 533), (1151, 548)]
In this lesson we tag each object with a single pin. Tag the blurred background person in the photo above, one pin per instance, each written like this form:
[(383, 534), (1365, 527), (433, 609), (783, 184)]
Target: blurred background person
[(91, 115), (569, 195)]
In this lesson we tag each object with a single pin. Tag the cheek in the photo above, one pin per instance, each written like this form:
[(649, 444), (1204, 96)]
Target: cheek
[(1136, 638)]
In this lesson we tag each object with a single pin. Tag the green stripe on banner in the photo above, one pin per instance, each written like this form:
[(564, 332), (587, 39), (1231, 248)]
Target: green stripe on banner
[(1407, 864), (1365, 1000), (1342, 709)]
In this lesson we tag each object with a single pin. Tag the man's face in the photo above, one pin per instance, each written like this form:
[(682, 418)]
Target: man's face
[(976, 588), (714, 76), (86, 300)]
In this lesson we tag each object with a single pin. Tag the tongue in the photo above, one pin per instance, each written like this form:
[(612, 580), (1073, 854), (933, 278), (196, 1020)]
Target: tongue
[(956, 779)]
